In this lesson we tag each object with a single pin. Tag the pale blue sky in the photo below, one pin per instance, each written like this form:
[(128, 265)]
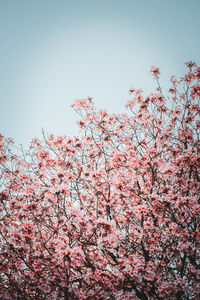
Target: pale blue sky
[(55, 51)]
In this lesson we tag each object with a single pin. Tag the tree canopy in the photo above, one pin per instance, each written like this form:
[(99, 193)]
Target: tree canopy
[(113, 213)]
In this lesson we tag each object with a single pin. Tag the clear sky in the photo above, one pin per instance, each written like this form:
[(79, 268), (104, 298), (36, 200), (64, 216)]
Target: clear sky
[(55, 51)]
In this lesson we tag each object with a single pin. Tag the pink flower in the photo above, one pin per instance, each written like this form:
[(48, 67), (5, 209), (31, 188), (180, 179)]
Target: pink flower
[(155, 71)]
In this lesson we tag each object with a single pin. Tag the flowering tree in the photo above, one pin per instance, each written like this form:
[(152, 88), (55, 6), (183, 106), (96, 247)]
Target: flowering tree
[(113, 214)]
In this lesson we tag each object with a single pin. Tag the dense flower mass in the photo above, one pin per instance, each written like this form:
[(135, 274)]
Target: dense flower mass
[(113, 214)]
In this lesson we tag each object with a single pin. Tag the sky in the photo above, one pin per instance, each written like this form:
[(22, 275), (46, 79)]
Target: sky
[(55, 51)]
